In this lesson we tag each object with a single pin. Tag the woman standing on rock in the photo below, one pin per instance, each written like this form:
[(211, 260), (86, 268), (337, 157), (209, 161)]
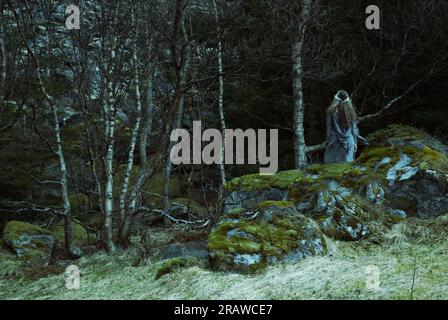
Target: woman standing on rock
[(342, 132)]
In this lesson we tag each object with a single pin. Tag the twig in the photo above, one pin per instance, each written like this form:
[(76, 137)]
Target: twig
[(197, 224)]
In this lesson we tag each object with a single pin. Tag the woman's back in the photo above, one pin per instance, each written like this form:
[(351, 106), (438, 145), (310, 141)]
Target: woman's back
[(342, 131)]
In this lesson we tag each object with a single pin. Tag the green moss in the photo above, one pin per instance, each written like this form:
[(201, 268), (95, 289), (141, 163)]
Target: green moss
[(79, 234), (281, 180), (218, 240), (170, 265), (154, 189), (35, 251), (10, 264), (346, 174), (427, 158), (15, 229), (79, 203), (235, 212), (373, 155), (72, 139), (193, 207), (396, 131), (332, 170), (279, 204), (276, 238)]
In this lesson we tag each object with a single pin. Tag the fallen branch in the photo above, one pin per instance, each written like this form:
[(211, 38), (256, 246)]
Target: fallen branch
[(316, 147), (197, 224), (45, 210)]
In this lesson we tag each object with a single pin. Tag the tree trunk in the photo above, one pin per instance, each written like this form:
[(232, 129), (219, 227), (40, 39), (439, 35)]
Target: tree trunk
[(146, 131), (182, 69), (2, 55), (109, 201), (135, 130), (299, 107), (133, 200), (222, 172), (94, 169), (64, 190), (144, 166), (110, 111), (62, 168), (59, 152), (168, 163)]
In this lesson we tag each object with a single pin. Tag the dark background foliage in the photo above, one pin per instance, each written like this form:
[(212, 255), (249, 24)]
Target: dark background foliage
[(376, 66)]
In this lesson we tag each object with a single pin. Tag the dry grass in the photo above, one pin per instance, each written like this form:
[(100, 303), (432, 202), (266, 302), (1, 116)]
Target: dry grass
[(413, 245)]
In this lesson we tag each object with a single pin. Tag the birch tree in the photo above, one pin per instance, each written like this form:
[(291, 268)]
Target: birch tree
[(58, 150), (222, 172), (136, 128), (181, 66), (2, 52), (148, 117), (300, 148), (109, 108)]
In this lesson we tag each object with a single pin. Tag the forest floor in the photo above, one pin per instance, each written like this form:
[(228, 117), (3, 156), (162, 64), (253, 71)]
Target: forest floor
[(412, 258)]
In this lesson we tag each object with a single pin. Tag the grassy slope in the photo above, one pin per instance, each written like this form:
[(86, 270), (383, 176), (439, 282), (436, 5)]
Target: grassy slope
[(339, 275)]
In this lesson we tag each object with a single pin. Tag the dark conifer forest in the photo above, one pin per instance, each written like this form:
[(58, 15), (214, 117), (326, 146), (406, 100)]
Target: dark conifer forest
[(223, 149)]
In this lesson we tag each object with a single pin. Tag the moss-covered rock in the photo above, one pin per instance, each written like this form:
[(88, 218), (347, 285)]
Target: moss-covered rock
[(404, 172), (32, 243), (183, 207), (173, 264), (80, 236), (10, 264), (400, 135), (80, 203), (247, 242), (152, 191)]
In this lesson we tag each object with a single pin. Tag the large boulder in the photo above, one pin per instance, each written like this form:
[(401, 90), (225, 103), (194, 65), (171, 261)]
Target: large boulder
[(80, 236), (184, 207), (34, 245), (276, 231), (403, 172), (80, 203), (196, 249)]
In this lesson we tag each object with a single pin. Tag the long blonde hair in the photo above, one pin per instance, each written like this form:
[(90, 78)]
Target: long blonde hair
[(343, 107)]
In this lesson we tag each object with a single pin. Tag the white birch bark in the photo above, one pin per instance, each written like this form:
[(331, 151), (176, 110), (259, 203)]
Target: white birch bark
[(168, 163), (144, 170), (144, 165), (180, 108), (299, 107), (110, 109), (135, 130), (222, 172), (94, 169), (60, 154), (62, 168), (2, 54), (146, 130)]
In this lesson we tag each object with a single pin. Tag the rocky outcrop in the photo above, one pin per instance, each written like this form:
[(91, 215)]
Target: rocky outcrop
[(403, 172), (31, 243), (275, 232), (80, 236), (35, 245)]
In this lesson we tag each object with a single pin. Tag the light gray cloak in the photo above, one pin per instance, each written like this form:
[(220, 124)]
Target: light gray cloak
[(341, 142)]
